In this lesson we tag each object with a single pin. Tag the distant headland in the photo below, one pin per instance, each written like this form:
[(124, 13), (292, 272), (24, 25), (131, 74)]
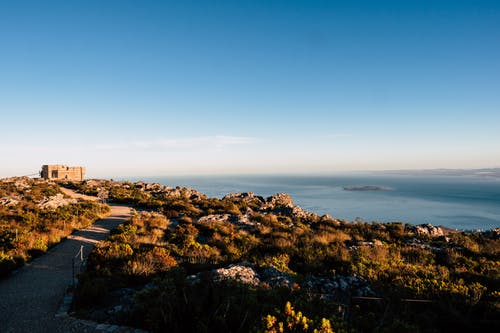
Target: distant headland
[(484, 172)]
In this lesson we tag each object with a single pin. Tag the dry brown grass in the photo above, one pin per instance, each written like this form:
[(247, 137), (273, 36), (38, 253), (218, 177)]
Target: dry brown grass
[(150, 220), (151, 262), (325, 238), (155, 237)]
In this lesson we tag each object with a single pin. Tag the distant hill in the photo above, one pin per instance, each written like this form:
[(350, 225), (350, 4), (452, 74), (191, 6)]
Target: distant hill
[(486, 172)]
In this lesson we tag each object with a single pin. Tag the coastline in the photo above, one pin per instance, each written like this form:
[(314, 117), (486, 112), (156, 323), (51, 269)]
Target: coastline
[(463, 203)]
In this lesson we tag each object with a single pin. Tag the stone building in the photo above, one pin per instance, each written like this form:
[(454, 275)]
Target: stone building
[(62, 172)]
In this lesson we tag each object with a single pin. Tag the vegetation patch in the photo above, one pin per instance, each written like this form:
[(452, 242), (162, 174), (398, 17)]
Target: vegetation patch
[(35, 215), (195, 264)]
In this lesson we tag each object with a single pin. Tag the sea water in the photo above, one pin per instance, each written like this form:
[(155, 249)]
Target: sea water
[(459, 202)]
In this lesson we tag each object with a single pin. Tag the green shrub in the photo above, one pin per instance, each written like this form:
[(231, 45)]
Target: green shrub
[(7, 264)]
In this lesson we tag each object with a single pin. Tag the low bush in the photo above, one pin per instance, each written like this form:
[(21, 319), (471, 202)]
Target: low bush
[(420, 283), (28, 228)]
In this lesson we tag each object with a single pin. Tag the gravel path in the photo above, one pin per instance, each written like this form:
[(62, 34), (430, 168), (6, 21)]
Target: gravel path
[(31, 296)]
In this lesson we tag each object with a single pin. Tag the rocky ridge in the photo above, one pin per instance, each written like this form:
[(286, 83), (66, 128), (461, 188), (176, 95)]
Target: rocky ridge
[(329, 287)]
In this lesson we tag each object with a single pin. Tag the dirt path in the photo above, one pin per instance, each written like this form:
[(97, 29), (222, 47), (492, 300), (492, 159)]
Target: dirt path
[(75, 195), (31, 296)]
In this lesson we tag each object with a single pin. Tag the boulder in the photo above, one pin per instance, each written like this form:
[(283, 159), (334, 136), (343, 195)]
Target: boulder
[(279, 199), (426, 230), (242, 272)]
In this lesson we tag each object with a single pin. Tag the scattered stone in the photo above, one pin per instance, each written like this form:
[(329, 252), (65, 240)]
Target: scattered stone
[(338, 287), (214, 218), (358, 244), (9, 201), (55, 201), (243, 221), (274, 278)]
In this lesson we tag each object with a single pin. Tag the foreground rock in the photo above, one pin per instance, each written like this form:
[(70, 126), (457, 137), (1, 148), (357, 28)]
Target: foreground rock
[(426, 230), (243, 273), (333, 287), (55, 201)]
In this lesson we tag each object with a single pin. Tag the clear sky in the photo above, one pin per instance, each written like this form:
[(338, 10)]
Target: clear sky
[(143, 88)]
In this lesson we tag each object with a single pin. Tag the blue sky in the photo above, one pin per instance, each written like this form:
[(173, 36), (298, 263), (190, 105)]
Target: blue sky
[(138, 88)]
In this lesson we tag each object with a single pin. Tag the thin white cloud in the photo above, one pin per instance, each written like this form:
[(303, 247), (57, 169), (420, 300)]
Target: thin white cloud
[(337, 136), (190, 143), (203, 142), (28, 149)]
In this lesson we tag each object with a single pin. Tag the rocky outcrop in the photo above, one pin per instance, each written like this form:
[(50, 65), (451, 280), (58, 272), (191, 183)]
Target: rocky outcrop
[(55, 201), (247, 273), (275, 278), (182, 192), (9, 201), (278, 200), (331, 287), (329, 219), (21, 183), (243, 273), (426, 230), (243, 221), (298, 212), (154, 187), (149, 187), (336, 287), (243, 196), (282, 204)]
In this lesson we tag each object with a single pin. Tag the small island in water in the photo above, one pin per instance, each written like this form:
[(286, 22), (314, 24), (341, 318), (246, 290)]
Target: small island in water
[(366, 188)]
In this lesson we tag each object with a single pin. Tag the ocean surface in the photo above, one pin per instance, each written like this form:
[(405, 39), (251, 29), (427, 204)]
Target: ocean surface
[(459, 202)]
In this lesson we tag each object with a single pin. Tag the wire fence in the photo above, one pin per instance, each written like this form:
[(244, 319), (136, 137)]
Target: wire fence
[(78, 265)]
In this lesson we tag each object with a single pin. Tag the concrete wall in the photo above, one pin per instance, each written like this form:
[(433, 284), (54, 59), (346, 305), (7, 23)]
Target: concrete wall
[(63, 172)]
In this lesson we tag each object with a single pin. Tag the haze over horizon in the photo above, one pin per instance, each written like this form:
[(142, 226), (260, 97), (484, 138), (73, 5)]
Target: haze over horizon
[(154, 88)]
